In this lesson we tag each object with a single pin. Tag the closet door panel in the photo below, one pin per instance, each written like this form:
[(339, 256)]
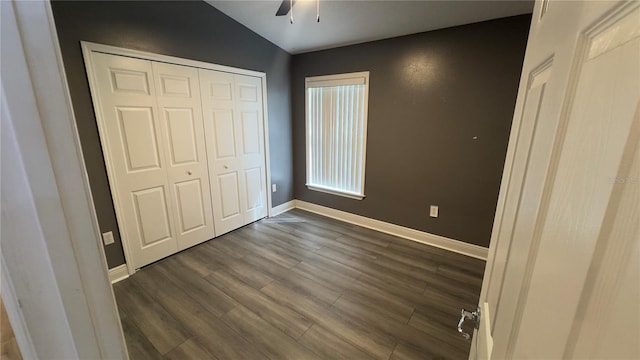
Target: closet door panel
[(180, 108), (190, 206), (132, 139), (223, 134), (182, 136), (249, 107), (151, 215), (138, 133), (229, 195), (255, 193)]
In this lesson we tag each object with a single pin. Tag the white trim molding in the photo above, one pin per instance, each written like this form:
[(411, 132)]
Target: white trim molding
[(335, 192), (282, 208), (438, 241), (118, 273), (88, 46), (64, 298)]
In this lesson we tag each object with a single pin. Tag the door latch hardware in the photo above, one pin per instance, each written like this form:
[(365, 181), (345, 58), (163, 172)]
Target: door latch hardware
[(468, 315)]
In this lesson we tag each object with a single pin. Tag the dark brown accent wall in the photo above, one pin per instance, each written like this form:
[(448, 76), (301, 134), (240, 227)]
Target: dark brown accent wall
[(187, 29), (440, 110)]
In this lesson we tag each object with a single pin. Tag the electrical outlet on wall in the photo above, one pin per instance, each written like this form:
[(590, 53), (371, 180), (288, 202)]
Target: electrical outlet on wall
[(433, 211), (273, 188), (107, 238)]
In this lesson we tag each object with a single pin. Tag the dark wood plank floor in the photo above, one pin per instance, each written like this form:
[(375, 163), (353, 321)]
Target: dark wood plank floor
[(300, 286)]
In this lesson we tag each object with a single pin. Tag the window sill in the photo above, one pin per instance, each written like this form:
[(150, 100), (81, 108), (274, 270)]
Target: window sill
[(336, 192)]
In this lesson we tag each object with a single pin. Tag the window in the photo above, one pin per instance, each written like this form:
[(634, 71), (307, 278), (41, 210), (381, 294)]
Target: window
[(336, 120)]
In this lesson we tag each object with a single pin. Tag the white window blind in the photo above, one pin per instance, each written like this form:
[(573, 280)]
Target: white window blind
[(336, 125)]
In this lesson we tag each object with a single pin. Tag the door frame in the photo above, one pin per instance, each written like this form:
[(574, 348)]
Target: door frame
[(88, 48), (63, 302)]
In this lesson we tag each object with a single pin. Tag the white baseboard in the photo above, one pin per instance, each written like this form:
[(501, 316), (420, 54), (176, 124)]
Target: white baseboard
[(118, 273), (438, 241), (282, 208)]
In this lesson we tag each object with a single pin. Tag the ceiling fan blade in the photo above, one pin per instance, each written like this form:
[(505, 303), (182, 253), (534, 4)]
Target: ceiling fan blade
[(284, 8)]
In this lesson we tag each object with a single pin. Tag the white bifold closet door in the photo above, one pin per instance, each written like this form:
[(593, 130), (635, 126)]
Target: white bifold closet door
[(180, 110), (232, 107), (150, 119)]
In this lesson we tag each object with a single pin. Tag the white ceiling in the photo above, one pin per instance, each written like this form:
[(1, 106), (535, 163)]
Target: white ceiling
[(356, 21)]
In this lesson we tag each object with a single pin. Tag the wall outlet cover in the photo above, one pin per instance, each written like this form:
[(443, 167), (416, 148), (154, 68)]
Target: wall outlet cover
[(273, 188), (107, 238), (433, 211)]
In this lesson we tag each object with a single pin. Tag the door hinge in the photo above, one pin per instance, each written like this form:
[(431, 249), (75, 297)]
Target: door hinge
[(469, 315)]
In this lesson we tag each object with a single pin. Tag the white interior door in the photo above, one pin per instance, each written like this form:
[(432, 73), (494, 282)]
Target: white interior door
[(180, 110), (132, 137), (561, 264), (232, 107)]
